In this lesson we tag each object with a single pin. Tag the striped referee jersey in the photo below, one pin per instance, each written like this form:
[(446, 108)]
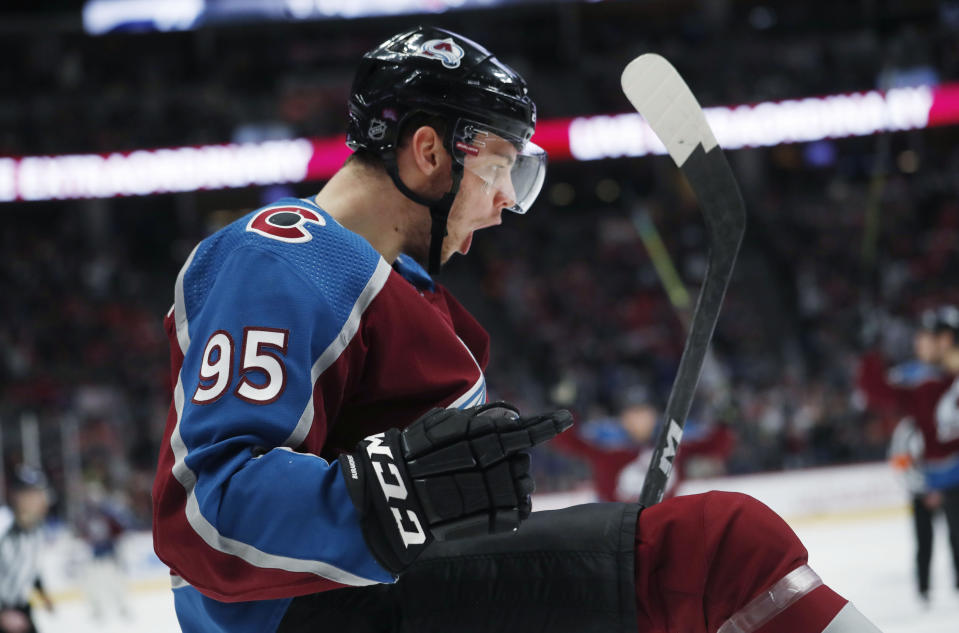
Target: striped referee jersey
[(19, 560)]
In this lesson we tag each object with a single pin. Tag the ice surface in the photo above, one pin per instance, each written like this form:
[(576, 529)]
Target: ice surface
[(869, 560)]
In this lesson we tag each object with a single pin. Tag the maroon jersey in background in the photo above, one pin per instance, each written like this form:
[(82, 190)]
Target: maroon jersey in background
[(919, 401), (618, 472)]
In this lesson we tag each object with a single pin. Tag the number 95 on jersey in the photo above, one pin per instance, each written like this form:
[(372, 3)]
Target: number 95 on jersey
[(261, 375)]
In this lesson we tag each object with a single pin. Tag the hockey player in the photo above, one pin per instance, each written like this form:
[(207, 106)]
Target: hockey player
[(101, 522), (619, 450), (905, 456), (614, 448), (329, 433), (930, 402)]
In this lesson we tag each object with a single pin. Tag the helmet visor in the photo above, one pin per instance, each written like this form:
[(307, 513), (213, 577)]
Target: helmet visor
[(511, 169)]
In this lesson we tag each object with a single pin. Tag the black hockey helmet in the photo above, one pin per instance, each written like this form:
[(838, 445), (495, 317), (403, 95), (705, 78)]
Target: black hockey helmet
[(948, 320), (28, 478), (929, 320), (437, 72)]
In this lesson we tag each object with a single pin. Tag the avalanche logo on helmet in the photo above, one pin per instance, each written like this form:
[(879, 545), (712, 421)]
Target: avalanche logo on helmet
[(446, 51)]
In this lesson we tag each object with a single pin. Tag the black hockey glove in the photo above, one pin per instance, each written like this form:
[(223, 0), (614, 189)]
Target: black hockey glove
[(451, 474)]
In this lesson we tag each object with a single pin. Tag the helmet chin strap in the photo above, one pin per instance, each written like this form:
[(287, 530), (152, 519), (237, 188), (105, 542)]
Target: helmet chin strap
[(439, 208)]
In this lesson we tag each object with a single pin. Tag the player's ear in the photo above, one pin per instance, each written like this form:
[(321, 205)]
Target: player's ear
[(428, 151)]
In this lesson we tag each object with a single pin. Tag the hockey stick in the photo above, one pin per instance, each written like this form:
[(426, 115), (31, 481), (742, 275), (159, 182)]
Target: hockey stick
[(661, 96)]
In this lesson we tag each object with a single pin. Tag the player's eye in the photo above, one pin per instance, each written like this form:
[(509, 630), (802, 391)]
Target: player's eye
[(497, 171)]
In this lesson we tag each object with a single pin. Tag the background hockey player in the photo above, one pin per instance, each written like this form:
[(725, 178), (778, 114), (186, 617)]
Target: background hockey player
[(612, 445), (101, 523), (618, 450), (906, 456), (309, 325), (929, 401)]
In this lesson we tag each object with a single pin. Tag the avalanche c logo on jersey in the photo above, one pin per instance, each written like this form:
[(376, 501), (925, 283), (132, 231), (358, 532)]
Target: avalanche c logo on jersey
[(285, 224), (446, 51)]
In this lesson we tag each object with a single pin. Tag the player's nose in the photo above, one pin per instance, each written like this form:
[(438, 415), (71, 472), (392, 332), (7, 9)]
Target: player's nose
[(502, 201), (495, 216)]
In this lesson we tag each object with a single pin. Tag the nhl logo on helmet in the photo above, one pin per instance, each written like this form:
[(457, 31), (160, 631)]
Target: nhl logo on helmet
[(377, 129), (445, 50)]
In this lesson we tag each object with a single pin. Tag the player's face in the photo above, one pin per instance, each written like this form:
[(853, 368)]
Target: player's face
[(485, 191), (925, 346), (640, 422)]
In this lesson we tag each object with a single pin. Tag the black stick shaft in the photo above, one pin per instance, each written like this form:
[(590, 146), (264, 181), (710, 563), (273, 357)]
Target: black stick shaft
[(712, 180)]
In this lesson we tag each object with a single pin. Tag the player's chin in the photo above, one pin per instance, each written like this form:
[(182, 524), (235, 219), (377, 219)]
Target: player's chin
[(451, 248), (448, 255)]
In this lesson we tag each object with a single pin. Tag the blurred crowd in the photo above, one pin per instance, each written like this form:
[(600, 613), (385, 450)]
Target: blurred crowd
[(578, 314), (84, 355), (848, 240), (254, 81)]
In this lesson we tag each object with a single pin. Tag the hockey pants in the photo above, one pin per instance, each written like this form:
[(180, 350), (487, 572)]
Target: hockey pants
[(716, 562)]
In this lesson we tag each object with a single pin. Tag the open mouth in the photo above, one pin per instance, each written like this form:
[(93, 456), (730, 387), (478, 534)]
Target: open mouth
[(465, 246)]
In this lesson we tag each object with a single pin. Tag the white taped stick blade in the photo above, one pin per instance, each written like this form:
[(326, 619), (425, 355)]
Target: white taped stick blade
[(660, 95), (850, 620)]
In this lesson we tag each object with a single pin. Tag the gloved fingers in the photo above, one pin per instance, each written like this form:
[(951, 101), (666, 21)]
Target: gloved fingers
[(497, 409), (440, 498), (519, 464), (525, 508), (519, 471), (436, 429), (525, 484), (424, 458), (494, 433), (545, 427), (501, 493), (455, 497), (498, 417), (502, 486), (526, 432), (443, 427)]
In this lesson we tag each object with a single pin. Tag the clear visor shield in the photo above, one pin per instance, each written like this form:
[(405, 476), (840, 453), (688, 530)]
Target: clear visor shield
[(515, 175)]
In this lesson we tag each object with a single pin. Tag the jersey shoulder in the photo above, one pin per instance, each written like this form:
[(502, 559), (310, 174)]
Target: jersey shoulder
[(300, 238), (934, 387)]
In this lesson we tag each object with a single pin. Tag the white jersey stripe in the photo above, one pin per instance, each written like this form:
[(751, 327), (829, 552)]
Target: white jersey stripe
[(336, 347), (469, 398), (477, 393), (179, 305), (476, 399)]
